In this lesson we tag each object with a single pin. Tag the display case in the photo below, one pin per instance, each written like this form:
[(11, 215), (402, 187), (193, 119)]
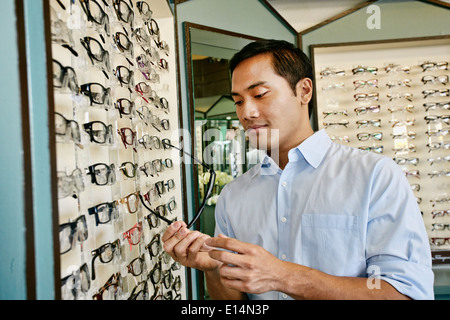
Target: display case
[(115, 101), (392, 97)]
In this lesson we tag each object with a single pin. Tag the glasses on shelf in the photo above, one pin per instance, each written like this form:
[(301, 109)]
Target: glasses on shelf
[(438, 145), (137, 266), (433, 118), (439, 201), (364, 136), (167, 208), (96, 14), (132, 201), (363, 69), (105, 253), (129, 169), (152, 28), (335, 113), (96, 93), (123, 11), (407, 161), (144, 10), (364, 110), (67, 129), (72, 231), (440, 226), (96, 53), (133, 235), (64, 78), (124, 76), (154, 247), (436, 105), (428, 65), (440, 213), (155, 273), (438, 160), (363, 83), (439, 241), (327, 72), (124, 44), (104, 212), (102, 174), (99, 132), (399, 83), (400, 95), (408, 108), (435, 92), (128, 137), (140, 291), (435, 79), (344, 123), (125, 106), (435, 174), (73, 284), (111, 290), (366, 123), (70, 184), (406, 149), (376, 149), (396, 68)]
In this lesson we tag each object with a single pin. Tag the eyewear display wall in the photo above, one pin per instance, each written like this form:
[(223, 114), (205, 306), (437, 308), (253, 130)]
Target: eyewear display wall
[(393, 98), (116, 115)]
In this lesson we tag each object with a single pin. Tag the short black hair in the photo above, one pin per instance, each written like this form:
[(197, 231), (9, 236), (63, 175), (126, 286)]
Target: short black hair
[(288, 61)]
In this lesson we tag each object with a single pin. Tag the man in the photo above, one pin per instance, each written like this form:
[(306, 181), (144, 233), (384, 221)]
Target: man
[(313, 220)]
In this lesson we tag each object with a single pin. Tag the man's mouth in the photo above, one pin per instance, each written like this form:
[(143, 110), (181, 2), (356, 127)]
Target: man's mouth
[(256, 128)]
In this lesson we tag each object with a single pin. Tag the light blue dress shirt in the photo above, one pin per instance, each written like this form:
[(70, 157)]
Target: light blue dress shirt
[(337, 209)]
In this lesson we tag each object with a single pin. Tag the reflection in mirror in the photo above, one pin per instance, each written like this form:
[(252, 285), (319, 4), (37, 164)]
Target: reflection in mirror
[(217, 136)]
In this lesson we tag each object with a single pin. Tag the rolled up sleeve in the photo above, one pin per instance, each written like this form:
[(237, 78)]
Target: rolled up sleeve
[(397, 248)]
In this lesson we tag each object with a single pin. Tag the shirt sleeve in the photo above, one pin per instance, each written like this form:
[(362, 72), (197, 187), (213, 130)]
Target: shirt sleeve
[(397, 249)]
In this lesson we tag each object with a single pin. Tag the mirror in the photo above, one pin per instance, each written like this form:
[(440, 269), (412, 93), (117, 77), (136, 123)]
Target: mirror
[(217, 136)]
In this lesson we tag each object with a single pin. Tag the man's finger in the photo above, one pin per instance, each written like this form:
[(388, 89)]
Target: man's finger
[(228, 244), (172, 229), (181, 248)]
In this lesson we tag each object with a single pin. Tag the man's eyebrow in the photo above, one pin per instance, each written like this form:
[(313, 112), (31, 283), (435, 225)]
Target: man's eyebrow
[(253, 86)]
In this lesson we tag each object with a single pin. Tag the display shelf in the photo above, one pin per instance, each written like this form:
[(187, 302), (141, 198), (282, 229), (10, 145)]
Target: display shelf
[(392, 97), (116, 98)]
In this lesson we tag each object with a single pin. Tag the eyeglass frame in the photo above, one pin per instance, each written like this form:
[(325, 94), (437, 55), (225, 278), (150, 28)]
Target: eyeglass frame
[(208, 192)]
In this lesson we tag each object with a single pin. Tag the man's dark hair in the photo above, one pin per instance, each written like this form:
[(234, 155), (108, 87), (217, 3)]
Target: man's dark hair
[(288, 61)]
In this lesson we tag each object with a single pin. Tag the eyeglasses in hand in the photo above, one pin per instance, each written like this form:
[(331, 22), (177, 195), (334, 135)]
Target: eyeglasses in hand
[(209, 188)]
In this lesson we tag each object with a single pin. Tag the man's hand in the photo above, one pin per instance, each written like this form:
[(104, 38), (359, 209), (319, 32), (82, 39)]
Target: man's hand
[(248, 267), (187, 247)]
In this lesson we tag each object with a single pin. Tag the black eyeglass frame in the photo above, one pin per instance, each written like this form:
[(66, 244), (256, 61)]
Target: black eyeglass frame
[(209, 188)]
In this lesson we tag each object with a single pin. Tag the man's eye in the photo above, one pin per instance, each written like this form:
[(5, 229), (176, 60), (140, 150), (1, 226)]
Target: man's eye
[(237, 103), (261, 95)]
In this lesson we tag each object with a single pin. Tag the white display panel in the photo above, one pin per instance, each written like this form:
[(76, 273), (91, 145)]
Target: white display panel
[(393, 98), (149, 116)]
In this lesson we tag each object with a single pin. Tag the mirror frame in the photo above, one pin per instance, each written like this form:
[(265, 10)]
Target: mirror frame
[(190, 82)]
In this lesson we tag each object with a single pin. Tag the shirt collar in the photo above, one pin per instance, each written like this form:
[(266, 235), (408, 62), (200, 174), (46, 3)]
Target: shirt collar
[(313, 149)]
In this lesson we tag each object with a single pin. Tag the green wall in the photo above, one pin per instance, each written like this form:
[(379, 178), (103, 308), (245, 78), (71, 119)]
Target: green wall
[(399, 19)]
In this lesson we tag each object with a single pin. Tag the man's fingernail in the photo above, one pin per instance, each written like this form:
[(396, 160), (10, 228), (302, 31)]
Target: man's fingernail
[(183, 231), (176, 225)]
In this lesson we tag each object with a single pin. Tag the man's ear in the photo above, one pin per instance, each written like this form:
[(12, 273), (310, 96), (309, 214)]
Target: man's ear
[(304, 90)]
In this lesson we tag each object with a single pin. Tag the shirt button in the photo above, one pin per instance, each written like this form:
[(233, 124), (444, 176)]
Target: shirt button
[(283, 219), (284, 184), (284, 296), (283, 256)]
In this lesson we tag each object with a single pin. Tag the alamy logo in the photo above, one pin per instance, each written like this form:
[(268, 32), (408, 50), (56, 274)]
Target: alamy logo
[(374, 20)]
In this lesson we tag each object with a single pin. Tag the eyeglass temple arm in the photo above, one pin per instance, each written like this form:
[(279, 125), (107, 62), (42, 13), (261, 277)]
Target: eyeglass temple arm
[(209, 188), (152, 211)]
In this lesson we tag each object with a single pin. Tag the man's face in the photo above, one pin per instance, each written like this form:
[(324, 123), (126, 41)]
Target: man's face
[(266, 105)]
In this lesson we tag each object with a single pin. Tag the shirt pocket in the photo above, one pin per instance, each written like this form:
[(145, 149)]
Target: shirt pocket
[(330, 243)]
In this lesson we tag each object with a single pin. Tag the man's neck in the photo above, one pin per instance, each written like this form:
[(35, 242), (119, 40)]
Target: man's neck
[(280, 155)]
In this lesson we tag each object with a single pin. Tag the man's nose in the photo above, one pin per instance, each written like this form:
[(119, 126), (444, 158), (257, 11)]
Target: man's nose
[(250, 110)]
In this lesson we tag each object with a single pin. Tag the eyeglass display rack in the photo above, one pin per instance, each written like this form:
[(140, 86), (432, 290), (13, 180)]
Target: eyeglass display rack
[(392, 97), (114, 83)]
